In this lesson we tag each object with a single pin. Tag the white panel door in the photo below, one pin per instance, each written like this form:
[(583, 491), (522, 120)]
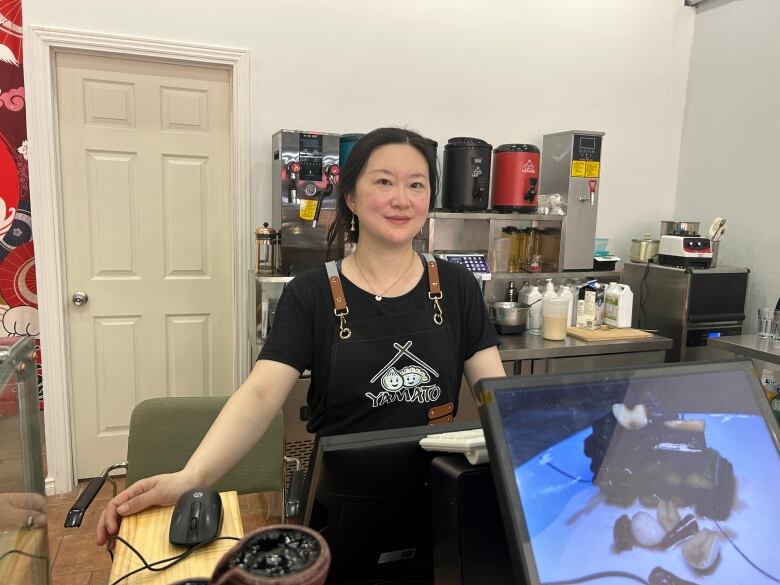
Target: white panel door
[(145, 166)]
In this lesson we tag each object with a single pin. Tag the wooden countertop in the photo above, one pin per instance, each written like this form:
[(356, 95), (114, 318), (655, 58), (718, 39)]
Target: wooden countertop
[(148, 533)]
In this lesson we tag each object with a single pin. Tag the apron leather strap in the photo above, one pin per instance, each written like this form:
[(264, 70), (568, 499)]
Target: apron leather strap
[(339, 302), (340, 308), (434, 286), (441, 410)]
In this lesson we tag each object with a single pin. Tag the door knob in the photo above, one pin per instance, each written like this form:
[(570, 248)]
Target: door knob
[(80, 298)]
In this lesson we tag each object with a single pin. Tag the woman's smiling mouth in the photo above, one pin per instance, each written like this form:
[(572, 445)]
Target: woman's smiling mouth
[(399, 219)]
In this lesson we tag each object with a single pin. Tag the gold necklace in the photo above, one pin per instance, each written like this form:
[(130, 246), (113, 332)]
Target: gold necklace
[(378, 296)]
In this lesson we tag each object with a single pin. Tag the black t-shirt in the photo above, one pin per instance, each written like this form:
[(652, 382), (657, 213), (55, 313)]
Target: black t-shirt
[(305, 327)]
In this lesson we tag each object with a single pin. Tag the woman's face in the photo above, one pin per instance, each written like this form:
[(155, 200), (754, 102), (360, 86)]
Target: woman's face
[(392, 194)]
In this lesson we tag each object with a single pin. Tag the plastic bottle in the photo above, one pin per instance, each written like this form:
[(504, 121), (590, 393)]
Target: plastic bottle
[(502, 248), (511, 293), (618, 305), (522, 296), (535, 312), (575, 292), (567, 294), (549, 289)]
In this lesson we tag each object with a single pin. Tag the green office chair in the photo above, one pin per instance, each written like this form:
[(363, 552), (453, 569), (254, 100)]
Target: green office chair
[(164, 433)]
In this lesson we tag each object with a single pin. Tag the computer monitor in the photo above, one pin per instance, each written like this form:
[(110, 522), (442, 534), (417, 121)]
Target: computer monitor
[(369, 497), (659, 475)]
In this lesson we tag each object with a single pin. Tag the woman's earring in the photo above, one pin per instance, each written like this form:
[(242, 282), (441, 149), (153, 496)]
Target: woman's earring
[(352, 223)]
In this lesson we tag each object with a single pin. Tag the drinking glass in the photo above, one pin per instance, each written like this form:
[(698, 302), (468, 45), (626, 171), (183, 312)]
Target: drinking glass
[(766, 317), (776, 327)]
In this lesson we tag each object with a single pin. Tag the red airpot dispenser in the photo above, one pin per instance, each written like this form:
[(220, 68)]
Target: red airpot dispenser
[(515, 177)]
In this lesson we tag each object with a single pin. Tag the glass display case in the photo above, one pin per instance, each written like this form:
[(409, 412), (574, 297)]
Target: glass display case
[(24, 555), (268, 289)]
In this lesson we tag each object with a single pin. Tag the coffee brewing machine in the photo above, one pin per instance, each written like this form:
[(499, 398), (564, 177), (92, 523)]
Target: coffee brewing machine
[(305, 174), (571, 167)]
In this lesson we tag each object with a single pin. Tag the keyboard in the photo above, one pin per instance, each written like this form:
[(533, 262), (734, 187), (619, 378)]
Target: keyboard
[(471, 443)]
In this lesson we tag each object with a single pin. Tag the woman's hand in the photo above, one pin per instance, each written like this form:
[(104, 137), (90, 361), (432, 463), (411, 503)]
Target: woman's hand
[(158, 490)]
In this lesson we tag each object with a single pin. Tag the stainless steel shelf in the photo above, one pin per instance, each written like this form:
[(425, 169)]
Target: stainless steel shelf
[(261, 278), (496, 215), (601, 274)]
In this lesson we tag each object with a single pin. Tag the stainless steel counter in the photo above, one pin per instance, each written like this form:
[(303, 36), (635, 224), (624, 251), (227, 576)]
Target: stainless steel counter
[(533, 347), (530, 354), (748, 345)]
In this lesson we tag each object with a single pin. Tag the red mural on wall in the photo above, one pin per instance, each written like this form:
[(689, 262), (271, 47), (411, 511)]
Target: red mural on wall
[(18, 292)]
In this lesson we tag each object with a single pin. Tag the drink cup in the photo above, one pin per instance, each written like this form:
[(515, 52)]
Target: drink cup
[(555, 318)]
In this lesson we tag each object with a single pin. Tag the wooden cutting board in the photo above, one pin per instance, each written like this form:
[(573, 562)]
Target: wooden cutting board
[(606, 333)]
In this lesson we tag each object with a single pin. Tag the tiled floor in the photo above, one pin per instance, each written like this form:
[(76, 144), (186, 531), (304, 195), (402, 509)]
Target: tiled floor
[(77, 560)]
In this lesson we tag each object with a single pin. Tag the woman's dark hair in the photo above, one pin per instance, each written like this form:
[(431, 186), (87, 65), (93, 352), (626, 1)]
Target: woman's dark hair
[(356, 162)]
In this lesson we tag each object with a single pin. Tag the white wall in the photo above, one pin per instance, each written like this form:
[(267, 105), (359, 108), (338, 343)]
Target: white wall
[(730, 154), (501, 70)]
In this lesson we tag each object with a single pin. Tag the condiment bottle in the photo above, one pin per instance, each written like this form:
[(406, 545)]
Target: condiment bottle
[(549, 289), (569, 296), (524, 290), (511, 293)]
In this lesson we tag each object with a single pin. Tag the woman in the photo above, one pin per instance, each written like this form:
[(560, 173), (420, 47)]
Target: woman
[(386, 333)]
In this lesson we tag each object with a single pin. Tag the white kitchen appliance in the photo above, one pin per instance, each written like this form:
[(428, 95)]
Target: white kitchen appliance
[(685, 251)]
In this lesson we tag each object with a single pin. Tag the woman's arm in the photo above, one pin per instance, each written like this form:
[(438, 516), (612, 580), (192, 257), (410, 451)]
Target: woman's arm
[(483, 364), (242, 421)]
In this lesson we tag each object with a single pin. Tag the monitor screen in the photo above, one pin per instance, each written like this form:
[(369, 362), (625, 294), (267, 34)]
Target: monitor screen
[(369, 497), (657, 475)]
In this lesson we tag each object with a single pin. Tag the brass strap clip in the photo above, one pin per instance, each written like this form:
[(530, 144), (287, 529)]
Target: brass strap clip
[(438, 312), (344, 331)]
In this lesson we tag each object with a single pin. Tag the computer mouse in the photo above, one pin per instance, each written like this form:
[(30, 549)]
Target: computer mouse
[(197, 517)]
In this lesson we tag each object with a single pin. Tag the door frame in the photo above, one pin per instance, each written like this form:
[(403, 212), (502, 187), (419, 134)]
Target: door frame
[(40, 46)]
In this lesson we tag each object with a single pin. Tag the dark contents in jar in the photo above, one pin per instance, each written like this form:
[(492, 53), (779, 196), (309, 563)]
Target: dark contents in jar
[(277, 553)]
